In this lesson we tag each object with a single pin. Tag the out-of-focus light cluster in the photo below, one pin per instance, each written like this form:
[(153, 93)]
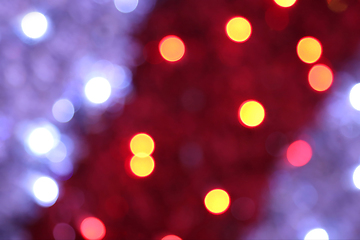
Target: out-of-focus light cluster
[(142, 164), (54, 70), (327, 172)]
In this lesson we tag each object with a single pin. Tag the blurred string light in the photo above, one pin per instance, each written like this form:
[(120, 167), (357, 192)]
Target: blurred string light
[(63, 110), (171, 237), (356, 177), (98, 90), (34, 25), (142, 166), (126, 6), (285, 3), (299, 153), (317, 234), (54, 72), (354, 96), (320, 77), (309, 49), (238, 29), (42, 139), (142, 145), (46, 191), (172, 48), (92, 228), (217, 201), (251, 113)]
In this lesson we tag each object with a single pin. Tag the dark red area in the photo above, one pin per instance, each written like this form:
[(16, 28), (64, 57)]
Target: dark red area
[(216, 75)]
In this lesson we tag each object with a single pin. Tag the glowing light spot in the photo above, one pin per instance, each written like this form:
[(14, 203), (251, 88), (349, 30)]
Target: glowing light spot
[(238, 29), (41, 140), (355, 97), (251, 113), (63, 110), (320, 77), (63, 231), (46, 191), (98, 90), (142, 166), (309, 49), (317, 234), (58, 153), (142, 145), (171, 237), (126, 6), (217, 201), (92, 228), (285, 3), (34, 25), (172, 48), (356, 177), (299, 153)]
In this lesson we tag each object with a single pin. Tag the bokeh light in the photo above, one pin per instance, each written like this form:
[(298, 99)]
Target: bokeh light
[(171, 48), (251, 113), (285, 3), (92, 228), (142, 145), (354, 96), (320, 77), (356, 177), (34, 25), (142, 166), (46, 191), (58, 153), (309, 49), (63, 110), (98, 90), (41, 140), (171, 237), (317, 234), (238, 29), (299, 153), (126, 6), (63, 231), (217, 201)]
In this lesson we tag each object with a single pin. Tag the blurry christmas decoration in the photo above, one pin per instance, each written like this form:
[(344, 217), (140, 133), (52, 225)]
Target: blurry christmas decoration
[(91, 85)]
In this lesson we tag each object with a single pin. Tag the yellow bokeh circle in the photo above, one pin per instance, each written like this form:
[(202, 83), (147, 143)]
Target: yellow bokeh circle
[(285, 3), (142, 145), (251, 113), (309, 49), (172, 48), (238, 29), (142, 166), (217, 201)]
